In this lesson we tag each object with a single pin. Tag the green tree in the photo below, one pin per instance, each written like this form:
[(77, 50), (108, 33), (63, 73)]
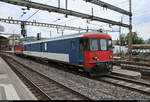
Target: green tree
[(123, 42), (135, 39), (148, 41), (117, 42)]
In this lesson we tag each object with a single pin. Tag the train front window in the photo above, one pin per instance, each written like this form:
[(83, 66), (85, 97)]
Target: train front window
[(103, 44), (93, 44)]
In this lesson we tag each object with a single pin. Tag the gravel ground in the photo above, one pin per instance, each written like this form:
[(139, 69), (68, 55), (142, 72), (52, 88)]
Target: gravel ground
[(94, 89)]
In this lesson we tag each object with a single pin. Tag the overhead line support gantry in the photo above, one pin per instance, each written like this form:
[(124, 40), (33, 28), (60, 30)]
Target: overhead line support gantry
[(49, 8)]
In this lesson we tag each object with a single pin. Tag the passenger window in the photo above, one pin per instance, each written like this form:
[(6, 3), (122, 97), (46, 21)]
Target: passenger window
[(73, 45)]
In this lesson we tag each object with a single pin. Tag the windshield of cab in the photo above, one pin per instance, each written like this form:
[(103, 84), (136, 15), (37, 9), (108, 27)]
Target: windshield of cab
[(100, 44), (94, 45)]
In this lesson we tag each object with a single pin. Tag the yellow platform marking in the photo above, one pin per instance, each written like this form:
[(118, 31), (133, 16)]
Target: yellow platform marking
[(103, 91)]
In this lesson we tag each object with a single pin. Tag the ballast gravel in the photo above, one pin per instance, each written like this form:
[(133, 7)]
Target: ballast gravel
[(96, 90)]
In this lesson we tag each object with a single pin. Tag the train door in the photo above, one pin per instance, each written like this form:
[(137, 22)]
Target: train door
[(73, 52), (41, 49), (81, 52)]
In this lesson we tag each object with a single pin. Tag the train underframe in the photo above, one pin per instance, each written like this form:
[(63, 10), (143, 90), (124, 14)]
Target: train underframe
[(100, 68)]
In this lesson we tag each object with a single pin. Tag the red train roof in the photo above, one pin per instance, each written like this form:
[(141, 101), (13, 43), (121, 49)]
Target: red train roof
[(97, 36)]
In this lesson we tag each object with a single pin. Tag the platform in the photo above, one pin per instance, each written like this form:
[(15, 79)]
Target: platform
[(11, 87), (126, 73)]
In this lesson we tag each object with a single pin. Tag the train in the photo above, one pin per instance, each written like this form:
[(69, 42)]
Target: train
[(90, 51)]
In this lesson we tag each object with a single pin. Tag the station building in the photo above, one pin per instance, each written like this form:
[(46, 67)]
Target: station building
[(4, 43)]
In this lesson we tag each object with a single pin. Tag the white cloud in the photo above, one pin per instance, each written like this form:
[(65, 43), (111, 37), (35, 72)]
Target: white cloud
[(143, 30), (5, 11)]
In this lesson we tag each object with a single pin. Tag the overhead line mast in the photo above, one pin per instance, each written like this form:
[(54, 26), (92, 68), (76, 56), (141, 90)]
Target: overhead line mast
[(130, 32), (49, 8)]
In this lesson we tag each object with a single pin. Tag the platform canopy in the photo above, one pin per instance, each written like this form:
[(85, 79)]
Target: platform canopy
[(141, 46), (2, 38)]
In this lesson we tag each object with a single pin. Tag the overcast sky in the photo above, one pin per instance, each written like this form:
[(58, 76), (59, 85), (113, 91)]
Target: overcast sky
[(141, 17)]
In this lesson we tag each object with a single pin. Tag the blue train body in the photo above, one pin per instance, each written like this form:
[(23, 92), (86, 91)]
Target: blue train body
[(64, 47)]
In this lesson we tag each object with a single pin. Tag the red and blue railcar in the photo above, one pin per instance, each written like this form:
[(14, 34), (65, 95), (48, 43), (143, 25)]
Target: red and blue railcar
[(91, 51)]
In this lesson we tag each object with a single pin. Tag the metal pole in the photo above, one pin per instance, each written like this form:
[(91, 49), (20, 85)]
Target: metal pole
[(120, 36), (62, 31), (92, 11), (66, 7), (66, 4), (130, 34), (50, 34), (58, 3), (13, 39)]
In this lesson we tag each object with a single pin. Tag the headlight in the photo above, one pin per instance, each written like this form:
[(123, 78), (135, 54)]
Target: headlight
[(111, 57), (95, 58)]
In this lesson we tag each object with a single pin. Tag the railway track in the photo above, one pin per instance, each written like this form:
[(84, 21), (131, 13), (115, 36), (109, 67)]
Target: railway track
[(134, 63), (135, 85), (43, 87), (143, 68)]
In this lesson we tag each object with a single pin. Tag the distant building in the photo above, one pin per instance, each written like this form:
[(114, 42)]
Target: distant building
[(4, 43), (1, 28), (13, 40)]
